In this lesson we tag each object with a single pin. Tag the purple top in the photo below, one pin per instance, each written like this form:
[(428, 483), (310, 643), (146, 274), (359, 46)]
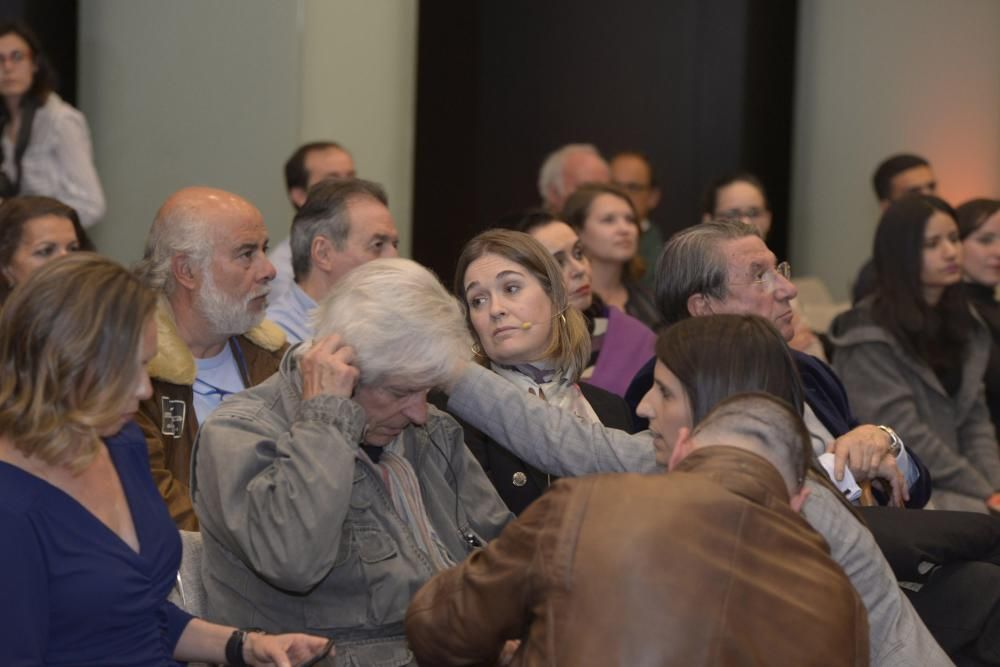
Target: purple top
[(628, 345)]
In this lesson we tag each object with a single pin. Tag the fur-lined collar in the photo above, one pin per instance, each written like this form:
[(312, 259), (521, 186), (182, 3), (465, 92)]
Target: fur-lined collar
[(174, 362)]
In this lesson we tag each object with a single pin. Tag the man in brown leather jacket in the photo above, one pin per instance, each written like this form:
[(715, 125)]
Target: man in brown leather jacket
[(205, 256), (710, 564)]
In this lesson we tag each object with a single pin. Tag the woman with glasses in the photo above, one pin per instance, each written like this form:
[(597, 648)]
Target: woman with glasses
[(738, 196), (913, 354), (45, 142), (606, 220)]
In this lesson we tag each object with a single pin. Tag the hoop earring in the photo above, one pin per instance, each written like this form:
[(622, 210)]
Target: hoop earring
[(562, 318), (477, 350)]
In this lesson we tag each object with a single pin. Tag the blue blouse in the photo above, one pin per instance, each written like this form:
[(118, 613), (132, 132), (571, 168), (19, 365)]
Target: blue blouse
[(71, 591)]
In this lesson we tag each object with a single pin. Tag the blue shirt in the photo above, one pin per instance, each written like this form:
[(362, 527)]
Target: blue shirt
[(291, 312), (71, 591)]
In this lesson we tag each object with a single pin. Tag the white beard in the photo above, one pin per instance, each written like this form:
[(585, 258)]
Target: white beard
[(228, 316)]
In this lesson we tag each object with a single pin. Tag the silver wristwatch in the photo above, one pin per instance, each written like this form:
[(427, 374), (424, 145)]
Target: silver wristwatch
[(896, 443)]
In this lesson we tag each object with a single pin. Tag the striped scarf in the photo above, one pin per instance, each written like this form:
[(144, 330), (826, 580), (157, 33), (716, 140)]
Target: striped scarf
[(400, 481)]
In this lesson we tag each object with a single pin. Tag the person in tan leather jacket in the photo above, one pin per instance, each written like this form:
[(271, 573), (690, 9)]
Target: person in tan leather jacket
[(205, 257), (710, 564)]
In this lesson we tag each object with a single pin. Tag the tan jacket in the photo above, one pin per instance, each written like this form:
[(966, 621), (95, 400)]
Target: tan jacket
[(705, 566), (168, 419)]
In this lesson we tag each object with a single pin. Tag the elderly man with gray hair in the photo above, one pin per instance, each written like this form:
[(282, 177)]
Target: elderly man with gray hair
[(342, 224), (330, 493), (205, 257), (566, 169)]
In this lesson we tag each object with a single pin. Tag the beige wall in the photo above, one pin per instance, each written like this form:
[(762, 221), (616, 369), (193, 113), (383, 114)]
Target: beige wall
[(219, 93), (359, 88), (879, 77)]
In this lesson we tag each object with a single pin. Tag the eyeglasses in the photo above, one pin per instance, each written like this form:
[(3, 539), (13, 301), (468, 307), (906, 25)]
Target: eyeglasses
[(769, 279), (14, 57), (751, 213), (632, 187)]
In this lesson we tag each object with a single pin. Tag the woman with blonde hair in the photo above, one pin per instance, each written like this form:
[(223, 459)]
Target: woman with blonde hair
[(526, 332), (89, 552)]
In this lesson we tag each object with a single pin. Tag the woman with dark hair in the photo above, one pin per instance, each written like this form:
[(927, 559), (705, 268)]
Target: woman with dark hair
[(701, 361), (738, 196), (606, 220), (34, 231), (45, 142), (979, 229), (913, 354), (619, 344), (89, 553), (526, 332)]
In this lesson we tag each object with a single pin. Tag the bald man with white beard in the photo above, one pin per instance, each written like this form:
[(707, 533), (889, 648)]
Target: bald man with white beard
[(206, 258)]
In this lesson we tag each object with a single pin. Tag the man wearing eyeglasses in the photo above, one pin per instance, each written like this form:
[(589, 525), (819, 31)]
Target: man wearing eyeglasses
[(633, 172), (724, 266)]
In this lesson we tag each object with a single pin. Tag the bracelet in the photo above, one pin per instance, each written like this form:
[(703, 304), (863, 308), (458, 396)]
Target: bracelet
[(234, 647), (896, 443)]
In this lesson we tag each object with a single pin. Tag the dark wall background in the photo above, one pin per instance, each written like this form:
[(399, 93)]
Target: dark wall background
[(55, 23), (701, 86)]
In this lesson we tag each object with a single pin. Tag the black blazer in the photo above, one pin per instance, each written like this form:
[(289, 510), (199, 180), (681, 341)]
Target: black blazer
[(518, 483)]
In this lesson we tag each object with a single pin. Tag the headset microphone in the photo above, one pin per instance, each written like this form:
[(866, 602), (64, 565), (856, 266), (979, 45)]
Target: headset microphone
[(526, 325)]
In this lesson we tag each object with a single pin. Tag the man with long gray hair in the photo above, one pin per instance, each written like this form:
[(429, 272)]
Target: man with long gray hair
[(205, 257), (331, 492)]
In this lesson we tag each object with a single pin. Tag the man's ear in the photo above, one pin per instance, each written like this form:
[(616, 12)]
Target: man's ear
[(683, 446), (297, 196), (180, 266), (653, 198), (699, 305), (799, 499), (321, 253)]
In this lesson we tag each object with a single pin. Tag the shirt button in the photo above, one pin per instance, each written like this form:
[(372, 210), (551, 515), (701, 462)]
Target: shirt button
[(519, 479)]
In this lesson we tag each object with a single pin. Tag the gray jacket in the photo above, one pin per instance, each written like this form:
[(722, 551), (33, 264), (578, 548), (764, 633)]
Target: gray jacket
[(952, 434), (301, 536), (552, 441)]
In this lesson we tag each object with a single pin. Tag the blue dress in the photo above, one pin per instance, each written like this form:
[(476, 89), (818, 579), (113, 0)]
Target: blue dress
[(71, 591)]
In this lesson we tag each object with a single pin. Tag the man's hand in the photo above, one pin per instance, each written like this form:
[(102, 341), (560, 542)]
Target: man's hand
[(993, 503), (327, 368), (865, 450)]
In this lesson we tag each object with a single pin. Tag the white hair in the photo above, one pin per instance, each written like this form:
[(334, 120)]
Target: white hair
[(403, 324), (180, 230), (551, 175)]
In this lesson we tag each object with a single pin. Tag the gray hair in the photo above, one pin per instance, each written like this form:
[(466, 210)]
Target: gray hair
[(403, 324), (767, 426), (691, 263), (324, 213), (550, 176), (178, 229)]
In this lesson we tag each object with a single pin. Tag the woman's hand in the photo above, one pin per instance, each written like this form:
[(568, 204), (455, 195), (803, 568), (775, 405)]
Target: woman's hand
[(282, 650)]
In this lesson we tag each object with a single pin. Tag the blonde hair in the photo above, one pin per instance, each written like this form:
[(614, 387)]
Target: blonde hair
[(569, 341), (69, 337)]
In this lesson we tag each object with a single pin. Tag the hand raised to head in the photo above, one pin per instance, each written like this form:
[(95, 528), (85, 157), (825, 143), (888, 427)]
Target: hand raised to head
[(328, 368)]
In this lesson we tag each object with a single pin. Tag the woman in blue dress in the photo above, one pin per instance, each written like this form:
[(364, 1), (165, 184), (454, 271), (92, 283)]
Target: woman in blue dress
[(88, 553)]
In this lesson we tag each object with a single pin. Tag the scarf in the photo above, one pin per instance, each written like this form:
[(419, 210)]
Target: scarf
[(400, 481), (541, 379)]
